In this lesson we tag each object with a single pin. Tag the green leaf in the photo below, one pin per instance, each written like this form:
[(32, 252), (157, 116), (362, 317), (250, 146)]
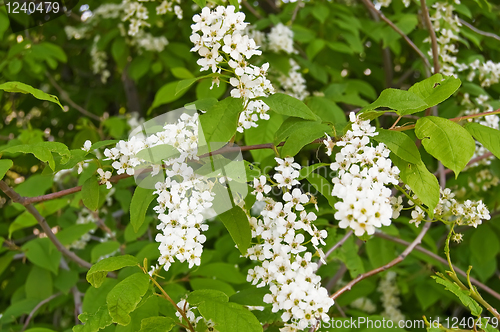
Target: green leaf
[(69, 235), (94, 322), (102, 249), (42, 151), (125, 296), (98, 145), (484, 243), (236, 222), (181, 73), (435, 89), (423, 183), (24, 88), (183, 86), (303, 135), (213, 284), (43, 253), (38, 284), (326, 109), (487, 136), (220, 121), (199, 296), (463, 295), (39, 329), (251, 296), (157, 153), (157, 324), (141, 200), (5, 165), (97, 273), (446, 141), (90, 193), (404, 102), (290, 106), (305, 171), (227, 316), (323, 186), (400, 144), (47, 208), (201, 3), (166, 94)]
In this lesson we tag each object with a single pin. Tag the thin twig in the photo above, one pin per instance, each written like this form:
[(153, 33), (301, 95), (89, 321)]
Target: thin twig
[(65, 96), (480, 32), (77, 300), (38, 307), (434, 45), (335, 247), (251, 9), (382, 268), (432, 34), (43, 223), (441, 260), (398, 30), (296, 10)]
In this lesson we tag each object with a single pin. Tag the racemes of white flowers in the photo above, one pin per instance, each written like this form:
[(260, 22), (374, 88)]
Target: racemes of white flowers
[(469, 213), (390, 297), (294, 83), (183, 197), (363, 172), (280, 39), (287, 267), (218, 37)]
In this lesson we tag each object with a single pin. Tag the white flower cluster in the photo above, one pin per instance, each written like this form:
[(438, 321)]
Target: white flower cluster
[(390, 299), (146, 41), (479, 105), (98, 61), (489, 72), (447, 27), (294, 83), (483, 180), (168, 7), (364, 304), (280, 39), (286, 266), (470, 213), (222, 41), (363, 173), (137, 14), (184, 193)]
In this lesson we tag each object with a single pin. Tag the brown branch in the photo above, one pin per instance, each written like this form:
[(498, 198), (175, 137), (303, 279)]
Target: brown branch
[(480, 32), (382, 268), (434, 45), (65, 96), (441, 260), (38, 307), (43, 223), (369, 4), (432, 34)]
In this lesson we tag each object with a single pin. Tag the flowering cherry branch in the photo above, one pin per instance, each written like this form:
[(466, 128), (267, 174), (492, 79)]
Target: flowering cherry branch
[(382, 268)]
